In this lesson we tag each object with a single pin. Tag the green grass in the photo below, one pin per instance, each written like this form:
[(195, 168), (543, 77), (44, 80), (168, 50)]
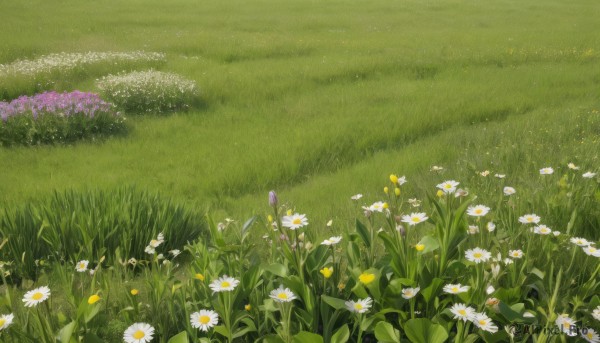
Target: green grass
[(321, 100)]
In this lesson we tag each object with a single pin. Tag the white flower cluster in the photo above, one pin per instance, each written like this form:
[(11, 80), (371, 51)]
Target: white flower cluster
[(64, 62), (148, 91)]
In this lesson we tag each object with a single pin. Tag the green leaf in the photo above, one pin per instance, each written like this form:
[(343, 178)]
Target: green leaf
[(91, 338), (277, 269), (66, 332), (385, 333), (432, 290), (430, 244), (363, 232), (247, 225), (181, 337), (222, 330), (272, 339), (422, 330), (336, 303), (341, 336), (307, 337)]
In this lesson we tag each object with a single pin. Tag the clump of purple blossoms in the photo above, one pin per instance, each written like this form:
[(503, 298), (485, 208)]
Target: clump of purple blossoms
[(61, 104)]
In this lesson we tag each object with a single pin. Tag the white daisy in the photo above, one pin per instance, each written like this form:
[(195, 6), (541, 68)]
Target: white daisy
[(332, 240), (485, 173), (294, 221), (589, 175), (138, 333), (490, 289), (482, 321), (529, 219), (282, 295), (572, 166), (204, 319), (591, 335), (175, 252), (509, 191), (564, 322), (36, 296), (158, 241), (408, 293), (546, 171), (356, 196), (515, 253), (596, 313), (500, 176), (556, 233), (378, 206), (150, 250), (478, 210), (582, 242), (436, 168), (448, 186), (477, 255), (591, 251), (82, 266), (455, 289), (414, 218), (491, 227), (6, 320), (223, 284), (359, 306), (473, 229), (414, 202), (542, 230), (462, 312)]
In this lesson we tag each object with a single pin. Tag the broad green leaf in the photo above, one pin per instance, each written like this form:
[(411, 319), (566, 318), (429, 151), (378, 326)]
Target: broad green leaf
[(272, 339), (181, 337), (363, 232), (341, 336), (385, 333), (430, 244), (66, 332), (222, 330), (277, 269), (307, 337), (422, 330), (336, 303), (432, 290), (91, 338)]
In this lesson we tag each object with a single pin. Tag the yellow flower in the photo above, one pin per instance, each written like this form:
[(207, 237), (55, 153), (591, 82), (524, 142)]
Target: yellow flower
[(440, 193), (248, 307), (289, 212), (134, 292), (386, 190), (385, 205), (199, 277), (397, 191), (420, 247), (366, 278), (93, 299), (270, 218), (394, 179), (326, 272)]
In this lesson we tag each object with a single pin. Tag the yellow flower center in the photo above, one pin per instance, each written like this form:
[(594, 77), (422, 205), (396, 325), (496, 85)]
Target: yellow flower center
[(282, 296), (199, 277), (454, 289), (37, 296), (204, 319), (297, 221), (153, 242), (482, 322), (589, 335), (134, 291), (326, 272), (477, 255), (592, 249), (408, 293), (416, 219), (462, 312), (82, 266), (530, 219), (139, 334), (225, 284), (2, 321), (358, 306), (447, 186), (478, 211), (366, 278)]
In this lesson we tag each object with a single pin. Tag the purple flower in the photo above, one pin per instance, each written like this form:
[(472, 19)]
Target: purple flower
[(273, 199)]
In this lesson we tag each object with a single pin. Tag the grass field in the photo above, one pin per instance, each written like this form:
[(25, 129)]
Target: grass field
[(318, 100), (329, 95)]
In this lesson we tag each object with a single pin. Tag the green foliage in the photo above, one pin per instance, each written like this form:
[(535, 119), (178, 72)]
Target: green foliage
[(87, 225)]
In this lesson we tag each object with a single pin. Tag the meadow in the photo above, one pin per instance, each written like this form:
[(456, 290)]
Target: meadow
[(318, 100)]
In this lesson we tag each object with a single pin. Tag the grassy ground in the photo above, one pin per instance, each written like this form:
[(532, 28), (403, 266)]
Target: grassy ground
[(321, 100)]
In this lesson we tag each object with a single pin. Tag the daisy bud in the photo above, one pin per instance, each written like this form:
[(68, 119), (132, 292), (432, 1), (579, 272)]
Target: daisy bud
[(386, 190), (440, 193), (397, 191), (248, 307)]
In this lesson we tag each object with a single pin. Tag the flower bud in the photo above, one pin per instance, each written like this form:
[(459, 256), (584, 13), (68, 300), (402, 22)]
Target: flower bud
[(272, 199), (386, 190), (394, 179), (397, 191)]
